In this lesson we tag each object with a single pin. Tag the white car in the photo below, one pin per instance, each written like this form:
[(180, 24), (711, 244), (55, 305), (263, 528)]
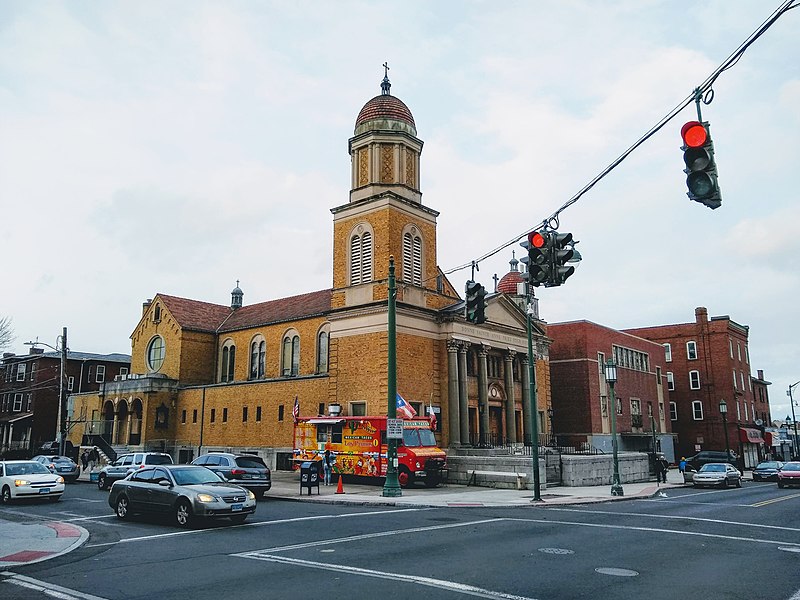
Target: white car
[(28, 479)]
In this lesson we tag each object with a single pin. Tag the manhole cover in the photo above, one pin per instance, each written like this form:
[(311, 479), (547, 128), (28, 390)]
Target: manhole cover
[(556, 551), (617, 572)]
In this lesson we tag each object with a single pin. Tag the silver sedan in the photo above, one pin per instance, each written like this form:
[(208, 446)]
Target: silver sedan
[(187, 492), (717, 474)]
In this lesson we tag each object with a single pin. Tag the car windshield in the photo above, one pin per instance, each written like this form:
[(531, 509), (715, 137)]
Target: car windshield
[(767, 465), (792, 466), (250, 462), (418, 437), (61, 459), (158, 459), (27, 468), (712, 469), (197, 476)]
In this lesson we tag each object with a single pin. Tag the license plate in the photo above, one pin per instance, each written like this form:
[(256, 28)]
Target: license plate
[(44, 490), (236, 507)]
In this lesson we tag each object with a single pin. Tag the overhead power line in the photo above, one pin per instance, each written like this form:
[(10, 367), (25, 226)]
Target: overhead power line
[(701, 91)]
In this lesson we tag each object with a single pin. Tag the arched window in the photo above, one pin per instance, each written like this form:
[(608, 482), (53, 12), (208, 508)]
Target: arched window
[(412, 257), (291, 355), (322, 352), (228, 361), (155, 354), (361, 258), (258, 351)]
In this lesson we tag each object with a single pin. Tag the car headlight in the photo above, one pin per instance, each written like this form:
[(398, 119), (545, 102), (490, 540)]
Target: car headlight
[(419, 466), (59, 479), (251, 495), (21, 482), (207, 498)]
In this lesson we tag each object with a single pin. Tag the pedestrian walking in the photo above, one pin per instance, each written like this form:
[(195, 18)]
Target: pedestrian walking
[(682, 464), (85, 459), (327, 466), (661, 468), (94, 458)]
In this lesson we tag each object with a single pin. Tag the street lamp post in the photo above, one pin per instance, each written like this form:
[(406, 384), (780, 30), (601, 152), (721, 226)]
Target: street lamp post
[(723, 410), (391, 487), (611, 379), (794, 420), (60, 429)]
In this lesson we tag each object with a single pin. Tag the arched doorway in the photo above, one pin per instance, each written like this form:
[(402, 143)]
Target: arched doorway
[(107, 429), (135, 436), (122, 422)]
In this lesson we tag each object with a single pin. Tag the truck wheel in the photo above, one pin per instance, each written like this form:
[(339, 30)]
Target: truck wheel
[(404, 477)]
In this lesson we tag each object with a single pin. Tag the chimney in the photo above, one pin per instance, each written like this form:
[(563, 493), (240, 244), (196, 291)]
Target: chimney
[(34, 350), (145, 305), (701, 314), (761, 374)]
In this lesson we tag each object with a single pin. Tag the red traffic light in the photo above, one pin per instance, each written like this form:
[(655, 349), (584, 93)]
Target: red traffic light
[(536, 239), (694, 134)]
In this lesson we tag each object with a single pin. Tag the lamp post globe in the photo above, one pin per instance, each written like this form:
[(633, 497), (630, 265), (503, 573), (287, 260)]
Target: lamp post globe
[(611, 380)]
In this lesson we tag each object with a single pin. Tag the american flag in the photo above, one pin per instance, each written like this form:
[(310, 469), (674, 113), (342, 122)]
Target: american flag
[(296, 409), (404, 409)]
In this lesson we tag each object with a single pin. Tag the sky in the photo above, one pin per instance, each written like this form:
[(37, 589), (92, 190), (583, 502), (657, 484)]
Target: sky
[(179, 146)]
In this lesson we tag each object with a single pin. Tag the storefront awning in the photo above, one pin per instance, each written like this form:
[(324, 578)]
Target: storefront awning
[(750, 436), (13, 418), (328, 421)]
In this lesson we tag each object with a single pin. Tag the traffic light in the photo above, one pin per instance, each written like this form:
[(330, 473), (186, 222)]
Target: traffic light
[(701, 170), (562, 254), (540, 257), (476, 302)]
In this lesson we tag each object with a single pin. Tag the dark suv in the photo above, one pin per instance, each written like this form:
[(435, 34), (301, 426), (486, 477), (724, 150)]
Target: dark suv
[(127, 464), (246, 470), (710, 456)]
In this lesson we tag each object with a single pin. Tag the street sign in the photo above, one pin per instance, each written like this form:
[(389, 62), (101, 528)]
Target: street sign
[(394, 429)]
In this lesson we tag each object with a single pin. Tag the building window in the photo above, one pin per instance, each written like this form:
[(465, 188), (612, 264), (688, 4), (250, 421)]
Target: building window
[(658, 376), (601, 362), (739, 350), (694, 380), (673, 411), (741, 377), (321, 408), (746, 355), (322, 352), (258, 412), (17, 403), (228, 361), (21, 372), (29, 404), (280, 413), (258, 355), (358, 409), (670, 381), (70, 383), (213, 415), (183, 416), (291, 355), (244, 414), (730, 346), (631, 359), (691, 350), (361, 258), (33, 371), (668, 352), (697, 410), (123, 370), (734, 379), (224, 415), (194, 415), (101, 374), (746, 418), (157, 314), (155, 354), (412, 258)]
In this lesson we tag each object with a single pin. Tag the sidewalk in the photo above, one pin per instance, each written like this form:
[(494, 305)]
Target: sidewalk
[(26, 543)]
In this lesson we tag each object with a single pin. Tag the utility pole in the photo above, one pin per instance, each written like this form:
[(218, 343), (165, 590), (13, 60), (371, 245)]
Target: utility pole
[(62, 389)]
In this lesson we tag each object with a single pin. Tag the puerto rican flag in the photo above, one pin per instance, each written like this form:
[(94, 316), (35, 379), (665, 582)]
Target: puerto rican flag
[(432, 418), (404, 409), (296, 409)]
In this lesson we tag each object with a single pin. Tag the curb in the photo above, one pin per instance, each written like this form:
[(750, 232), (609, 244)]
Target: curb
[(64, 531)]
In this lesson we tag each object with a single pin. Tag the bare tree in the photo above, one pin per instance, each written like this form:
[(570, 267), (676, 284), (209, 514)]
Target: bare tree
[(6, 333)]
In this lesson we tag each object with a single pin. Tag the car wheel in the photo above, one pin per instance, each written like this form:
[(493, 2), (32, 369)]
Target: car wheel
[(239, 519), (780, 483), (102, 482), (5, 496), (724, 483), (123, 507), (183, 513), (739, 482), (54, 498)]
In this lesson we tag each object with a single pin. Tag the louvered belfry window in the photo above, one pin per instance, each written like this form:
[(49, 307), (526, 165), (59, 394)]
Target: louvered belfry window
[(361, 258), (412, 259)]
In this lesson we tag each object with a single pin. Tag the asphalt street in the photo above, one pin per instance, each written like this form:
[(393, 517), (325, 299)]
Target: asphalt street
[(727, 544)]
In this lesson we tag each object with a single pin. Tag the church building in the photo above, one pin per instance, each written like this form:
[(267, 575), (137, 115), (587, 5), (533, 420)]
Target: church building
[(207, 376)]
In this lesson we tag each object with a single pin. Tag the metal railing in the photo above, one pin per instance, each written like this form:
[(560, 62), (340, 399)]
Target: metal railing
[(562, 444)]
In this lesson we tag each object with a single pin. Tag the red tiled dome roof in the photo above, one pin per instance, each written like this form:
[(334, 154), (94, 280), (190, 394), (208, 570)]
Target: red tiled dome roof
[(508, 284), (385, 106)]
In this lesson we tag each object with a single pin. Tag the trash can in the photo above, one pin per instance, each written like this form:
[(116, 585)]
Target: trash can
[(309, 476)]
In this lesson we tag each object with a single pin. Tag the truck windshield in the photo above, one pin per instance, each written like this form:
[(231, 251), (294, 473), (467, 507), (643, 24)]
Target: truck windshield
[(418, 437)]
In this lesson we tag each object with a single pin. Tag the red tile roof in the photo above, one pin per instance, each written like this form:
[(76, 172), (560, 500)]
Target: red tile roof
[(385, 107), (204, 316)]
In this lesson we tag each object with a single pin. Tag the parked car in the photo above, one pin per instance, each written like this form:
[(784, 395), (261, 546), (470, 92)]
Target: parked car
[(721, 474), (188, 492), (127, 464), (767, 471), (246, 470), (789, 474), (28, 479), (62, 465), (711, 456), (53, 448)]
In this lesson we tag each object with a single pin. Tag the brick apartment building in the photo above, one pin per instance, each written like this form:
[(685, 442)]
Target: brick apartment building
[(580, 393), (29, 389), (208, 376), (708, 361)]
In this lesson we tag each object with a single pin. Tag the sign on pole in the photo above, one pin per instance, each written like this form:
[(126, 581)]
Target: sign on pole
[(394, 429)]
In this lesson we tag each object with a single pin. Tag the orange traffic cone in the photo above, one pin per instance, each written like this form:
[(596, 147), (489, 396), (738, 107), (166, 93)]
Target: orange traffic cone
[(339, 488)]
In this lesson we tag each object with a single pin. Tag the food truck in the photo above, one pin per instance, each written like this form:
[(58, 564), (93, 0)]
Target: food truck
[(359, 447)]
